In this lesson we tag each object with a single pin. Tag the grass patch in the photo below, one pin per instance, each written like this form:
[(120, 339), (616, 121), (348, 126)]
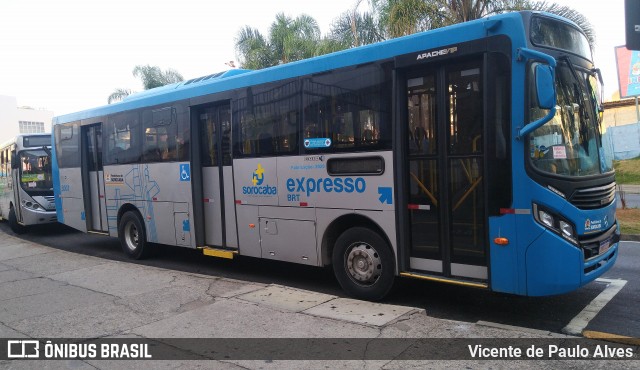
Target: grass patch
[(627, 171), (629, 220)]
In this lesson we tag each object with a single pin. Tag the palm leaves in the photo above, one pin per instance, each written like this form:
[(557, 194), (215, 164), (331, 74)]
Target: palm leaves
[(118, 95), (151, 77), (404, 17), (289, 39)]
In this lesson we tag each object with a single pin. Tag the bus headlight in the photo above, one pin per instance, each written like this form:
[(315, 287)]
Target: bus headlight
[(546, 218), (566, 229), (555, 223), (32, 205)]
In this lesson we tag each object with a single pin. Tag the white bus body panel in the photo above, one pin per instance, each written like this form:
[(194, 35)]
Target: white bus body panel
[(292, 200), (230, 208), (213, 207), (159, 193), (98, 209), (72, 198), (248, 230)]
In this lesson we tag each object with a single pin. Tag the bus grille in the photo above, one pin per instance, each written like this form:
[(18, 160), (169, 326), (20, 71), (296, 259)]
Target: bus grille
[(50, 198), (592, 198)]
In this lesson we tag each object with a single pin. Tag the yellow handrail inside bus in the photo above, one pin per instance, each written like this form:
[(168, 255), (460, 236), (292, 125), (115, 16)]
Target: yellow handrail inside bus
[(424, 189)]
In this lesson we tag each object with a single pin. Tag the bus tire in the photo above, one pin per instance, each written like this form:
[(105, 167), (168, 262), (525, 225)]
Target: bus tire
[(363, 263), (13, 223), (133, 236)]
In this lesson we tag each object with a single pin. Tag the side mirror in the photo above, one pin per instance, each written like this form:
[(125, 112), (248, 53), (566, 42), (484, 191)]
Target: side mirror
[(545, 88), (15, 163)]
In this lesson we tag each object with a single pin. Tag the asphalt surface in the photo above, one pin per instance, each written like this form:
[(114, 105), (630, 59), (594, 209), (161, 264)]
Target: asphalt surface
[(620, 315), (189, 320)]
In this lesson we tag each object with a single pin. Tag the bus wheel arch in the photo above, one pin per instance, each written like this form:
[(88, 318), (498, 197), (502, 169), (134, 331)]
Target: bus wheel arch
[(362, 257), (132, 232), (342, 224)]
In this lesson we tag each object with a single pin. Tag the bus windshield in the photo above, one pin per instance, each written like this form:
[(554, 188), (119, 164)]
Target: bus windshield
[(571, 143), (35, 171)]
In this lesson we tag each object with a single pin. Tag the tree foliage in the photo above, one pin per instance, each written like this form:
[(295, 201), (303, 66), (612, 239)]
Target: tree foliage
[(289, 39), (395, 18), (151, 77), (119, 94)]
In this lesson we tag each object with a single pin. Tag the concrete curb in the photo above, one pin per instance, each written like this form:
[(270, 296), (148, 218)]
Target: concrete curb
[(630, 238)]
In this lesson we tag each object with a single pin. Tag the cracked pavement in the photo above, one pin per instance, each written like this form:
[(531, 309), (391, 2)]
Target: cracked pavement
[(48, 293)]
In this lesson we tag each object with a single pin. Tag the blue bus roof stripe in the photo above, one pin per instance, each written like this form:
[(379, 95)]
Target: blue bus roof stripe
[(345, 58)]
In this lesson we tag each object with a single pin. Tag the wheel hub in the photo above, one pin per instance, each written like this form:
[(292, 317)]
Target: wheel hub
[(131, 236), (363, 263)]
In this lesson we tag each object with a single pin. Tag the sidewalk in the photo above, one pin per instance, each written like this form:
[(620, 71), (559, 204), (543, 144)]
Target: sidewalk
[(45, 292), (630, 189)]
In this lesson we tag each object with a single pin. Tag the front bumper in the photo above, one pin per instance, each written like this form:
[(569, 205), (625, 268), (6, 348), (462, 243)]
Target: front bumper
[(34, 217)]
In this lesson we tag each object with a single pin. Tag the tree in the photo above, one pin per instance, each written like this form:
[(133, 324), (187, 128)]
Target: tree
[(289, 39), (404, 17), (151, 77), (353, 28), (119, 94)]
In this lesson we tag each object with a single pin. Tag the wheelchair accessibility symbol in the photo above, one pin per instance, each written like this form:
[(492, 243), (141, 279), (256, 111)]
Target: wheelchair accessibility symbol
[(185, 172)]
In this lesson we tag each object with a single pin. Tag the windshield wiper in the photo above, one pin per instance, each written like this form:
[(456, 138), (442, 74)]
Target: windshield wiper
[(575, 74), (583, 115)]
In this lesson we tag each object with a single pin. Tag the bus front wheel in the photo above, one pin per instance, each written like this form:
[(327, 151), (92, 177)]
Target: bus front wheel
[(132, 235), (363, 264), (13, 223)]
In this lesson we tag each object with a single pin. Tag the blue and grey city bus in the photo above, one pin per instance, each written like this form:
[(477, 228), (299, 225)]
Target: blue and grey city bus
[(471, 154)]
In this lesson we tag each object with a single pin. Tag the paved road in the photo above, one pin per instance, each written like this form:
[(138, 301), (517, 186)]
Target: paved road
[(46, 292), (622, 314), (439, 300)]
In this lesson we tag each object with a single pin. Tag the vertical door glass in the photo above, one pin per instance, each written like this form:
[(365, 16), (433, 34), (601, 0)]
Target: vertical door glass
[(465, 123), (224, 117), (423, 173), (209, 137)]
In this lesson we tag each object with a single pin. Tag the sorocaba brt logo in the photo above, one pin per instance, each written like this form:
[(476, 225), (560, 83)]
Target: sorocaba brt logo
[(257, 179), (258, 176)]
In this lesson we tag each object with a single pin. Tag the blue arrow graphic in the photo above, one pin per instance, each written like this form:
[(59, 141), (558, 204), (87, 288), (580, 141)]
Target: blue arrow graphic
[(386, 195)]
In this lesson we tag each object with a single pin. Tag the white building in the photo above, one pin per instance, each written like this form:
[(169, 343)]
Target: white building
[(15, 120)]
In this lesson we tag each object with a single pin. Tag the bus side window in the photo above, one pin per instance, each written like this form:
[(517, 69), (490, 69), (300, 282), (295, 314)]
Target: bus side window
[(68, 145), (160, 134), (123, 137), (266, 120), (352, 118)]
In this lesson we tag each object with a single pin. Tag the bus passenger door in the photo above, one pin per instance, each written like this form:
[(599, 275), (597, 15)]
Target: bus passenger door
[(444, 172), (217, 207), (93, 178)]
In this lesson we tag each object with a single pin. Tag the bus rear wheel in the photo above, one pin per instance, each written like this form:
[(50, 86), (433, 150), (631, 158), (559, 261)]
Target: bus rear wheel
[(13, 223), (363, 263), (132, 235)]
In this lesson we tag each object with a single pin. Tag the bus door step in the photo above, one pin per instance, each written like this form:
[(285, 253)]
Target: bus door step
[(443, 279), (219, 252)]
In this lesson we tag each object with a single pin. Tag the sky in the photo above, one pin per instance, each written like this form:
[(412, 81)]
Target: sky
[(70, 55)]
